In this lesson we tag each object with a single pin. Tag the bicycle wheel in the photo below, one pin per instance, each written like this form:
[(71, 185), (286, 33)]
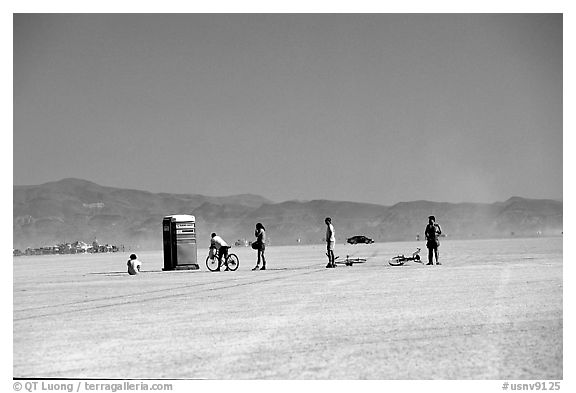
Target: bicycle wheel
[(212, 263), (233, 262)]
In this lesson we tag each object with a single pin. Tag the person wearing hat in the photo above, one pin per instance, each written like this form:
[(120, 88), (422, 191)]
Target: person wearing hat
[(432, 232), (330, 241)]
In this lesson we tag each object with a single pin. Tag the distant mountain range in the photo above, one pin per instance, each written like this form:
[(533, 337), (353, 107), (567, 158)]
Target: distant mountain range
[(74, 209)]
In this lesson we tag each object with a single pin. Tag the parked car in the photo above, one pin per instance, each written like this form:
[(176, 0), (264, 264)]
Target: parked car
[(360, 239)]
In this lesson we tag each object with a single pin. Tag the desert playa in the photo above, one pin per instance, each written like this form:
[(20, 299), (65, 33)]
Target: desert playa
[(493, 310)]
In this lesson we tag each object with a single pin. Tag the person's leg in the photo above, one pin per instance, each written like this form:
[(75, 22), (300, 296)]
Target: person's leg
[(258, 261), (219, 253), (430, 256), (224, 251), (332, 261), (437, 254), (263, 258), (330, 253)]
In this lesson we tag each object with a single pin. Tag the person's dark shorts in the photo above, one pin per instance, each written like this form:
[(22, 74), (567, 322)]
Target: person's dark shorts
[(432, 244), (223, 253)]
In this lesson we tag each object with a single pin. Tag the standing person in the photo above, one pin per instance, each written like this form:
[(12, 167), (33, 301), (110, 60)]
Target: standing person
[(432, 232), (260, 246), (133, 265), (330, 242), (221, 247)]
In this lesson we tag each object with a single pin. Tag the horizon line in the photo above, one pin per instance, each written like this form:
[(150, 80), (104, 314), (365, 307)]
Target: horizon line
[(297, 200)]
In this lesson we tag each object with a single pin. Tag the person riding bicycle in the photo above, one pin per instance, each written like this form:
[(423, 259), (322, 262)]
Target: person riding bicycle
[(221, 248)]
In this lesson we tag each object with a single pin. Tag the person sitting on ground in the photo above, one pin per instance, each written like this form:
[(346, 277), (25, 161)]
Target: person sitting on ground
[(133, 265), (221, 248)]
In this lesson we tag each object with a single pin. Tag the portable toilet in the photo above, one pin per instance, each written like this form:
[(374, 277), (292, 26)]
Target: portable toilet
[(179, 239)]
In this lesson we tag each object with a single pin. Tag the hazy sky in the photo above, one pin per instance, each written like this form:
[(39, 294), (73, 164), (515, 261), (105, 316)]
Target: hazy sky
[(375, 108)]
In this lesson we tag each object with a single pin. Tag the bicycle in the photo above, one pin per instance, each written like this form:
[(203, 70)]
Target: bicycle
[(212, 263), (348, 261), (400, 260)]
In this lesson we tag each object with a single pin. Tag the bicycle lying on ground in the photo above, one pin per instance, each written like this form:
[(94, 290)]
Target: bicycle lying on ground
[(232, 262), (348, 261), (400, 260)]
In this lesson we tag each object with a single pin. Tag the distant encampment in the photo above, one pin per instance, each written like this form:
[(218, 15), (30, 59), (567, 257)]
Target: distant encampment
[(77, 247), (71, 208)]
